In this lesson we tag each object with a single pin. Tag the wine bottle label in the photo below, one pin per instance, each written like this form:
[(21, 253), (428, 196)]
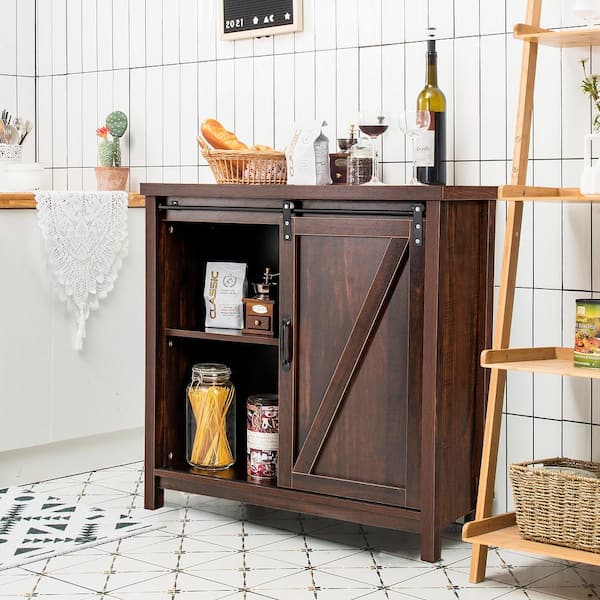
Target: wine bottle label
[(425, 145), (424, 149)]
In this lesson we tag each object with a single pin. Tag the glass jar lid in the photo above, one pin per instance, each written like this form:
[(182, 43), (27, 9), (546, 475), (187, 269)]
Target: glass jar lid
[(211, 373)]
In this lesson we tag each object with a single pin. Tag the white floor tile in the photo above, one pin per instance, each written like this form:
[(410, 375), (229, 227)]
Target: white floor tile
[(209, 549), (255, 558)]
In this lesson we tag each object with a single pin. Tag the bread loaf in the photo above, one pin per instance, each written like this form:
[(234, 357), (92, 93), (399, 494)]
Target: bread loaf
[(219, 138)]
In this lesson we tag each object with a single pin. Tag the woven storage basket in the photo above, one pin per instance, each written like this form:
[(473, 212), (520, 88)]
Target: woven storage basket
[(245, 166), (557, 508)]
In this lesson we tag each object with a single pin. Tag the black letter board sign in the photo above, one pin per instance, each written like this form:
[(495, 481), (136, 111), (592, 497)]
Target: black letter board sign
[(254, 18)]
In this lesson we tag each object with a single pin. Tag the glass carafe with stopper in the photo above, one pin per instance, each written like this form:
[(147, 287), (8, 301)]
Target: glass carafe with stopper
[(210, 413)]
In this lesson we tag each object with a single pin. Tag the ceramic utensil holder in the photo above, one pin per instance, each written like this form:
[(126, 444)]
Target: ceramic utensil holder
[(11, 153)]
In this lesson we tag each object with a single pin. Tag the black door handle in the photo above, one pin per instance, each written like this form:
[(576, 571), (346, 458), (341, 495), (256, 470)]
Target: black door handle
[(285, 343)]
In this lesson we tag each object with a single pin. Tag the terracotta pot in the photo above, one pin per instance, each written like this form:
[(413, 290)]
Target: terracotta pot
[(111, 179)]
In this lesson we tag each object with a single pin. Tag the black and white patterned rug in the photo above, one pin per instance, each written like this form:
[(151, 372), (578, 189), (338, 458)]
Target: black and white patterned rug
[(38, 526)]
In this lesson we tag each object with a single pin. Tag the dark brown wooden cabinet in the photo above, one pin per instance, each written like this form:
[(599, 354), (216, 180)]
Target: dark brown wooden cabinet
[(384, 305)]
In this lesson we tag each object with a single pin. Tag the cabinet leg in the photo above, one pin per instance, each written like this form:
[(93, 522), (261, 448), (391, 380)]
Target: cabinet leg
[(154, 497), (431, 545)]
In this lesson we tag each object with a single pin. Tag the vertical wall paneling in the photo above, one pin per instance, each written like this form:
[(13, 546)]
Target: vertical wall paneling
[(284, 99), (120, 34), (105, 34), (74, 33), (44, 38), (154, 118), (325, 30), (325, 93), (8, 39), (188, 30), (137, 118), (347, 23), (264, 125), (170, 32), (26, 100), (171, 116), (207, 95), (392, 99), (189, 116), (89, 118), (493, 103), (347, 88), (89, 32), (244, 98), (44, 120), (369, 22), (137, 33), (304, 87), (154, 32), (59, 121), (305, 39), (74, 124), (121, 102), (25, 37)]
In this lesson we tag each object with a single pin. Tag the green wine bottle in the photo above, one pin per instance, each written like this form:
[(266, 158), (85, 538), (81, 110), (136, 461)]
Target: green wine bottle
[(431, 146)]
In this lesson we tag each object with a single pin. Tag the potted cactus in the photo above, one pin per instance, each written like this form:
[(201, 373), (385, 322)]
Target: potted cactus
[(110, 175)]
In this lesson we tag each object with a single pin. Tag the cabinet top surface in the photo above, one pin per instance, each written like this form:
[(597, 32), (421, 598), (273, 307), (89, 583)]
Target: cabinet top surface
[(322, 192)]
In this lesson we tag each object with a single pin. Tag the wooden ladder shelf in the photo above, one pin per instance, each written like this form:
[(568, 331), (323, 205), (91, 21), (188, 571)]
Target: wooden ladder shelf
[(501, 530)]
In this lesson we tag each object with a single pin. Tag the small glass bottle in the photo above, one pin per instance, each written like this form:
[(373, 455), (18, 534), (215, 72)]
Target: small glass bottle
[(210, 412)]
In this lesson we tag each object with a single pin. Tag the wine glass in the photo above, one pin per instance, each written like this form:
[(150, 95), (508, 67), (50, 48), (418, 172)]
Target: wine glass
[(373, 124), (413, 123)]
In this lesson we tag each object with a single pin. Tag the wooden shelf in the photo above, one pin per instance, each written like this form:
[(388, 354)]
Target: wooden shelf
[(564, 38), (27, 200), (222, 335), (529, 193), (536, 360), (501, 531)]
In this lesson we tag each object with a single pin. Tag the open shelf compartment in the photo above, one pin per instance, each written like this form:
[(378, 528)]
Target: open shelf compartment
[(563, 38), (501, 531), (222, 335), (530, 193), (554, 360)]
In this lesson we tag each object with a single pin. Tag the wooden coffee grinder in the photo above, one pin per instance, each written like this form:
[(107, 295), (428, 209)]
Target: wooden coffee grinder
[(259, 311)]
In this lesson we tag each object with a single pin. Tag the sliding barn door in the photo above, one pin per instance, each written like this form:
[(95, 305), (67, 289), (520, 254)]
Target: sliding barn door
[(351, 359)]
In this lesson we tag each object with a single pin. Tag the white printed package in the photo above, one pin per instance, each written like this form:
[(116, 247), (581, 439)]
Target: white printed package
[(224, 288), (308, 155)]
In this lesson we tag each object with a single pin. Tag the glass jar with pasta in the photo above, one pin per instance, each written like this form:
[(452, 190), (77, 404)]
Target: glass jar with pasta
[(210, 411)]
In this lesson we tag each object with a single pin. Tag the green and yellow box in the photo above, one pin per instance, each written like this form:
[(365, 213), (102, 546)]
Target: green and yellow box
[(587, 334)]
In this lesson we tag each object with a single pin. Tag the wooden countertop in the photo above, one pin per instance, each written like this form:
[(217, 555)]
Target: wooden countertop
[(322, 192), (27, 200)]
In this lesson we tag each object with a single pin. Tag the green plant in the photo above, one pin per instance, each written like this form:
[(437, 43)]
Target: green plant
[(591, 86), (109, 151)]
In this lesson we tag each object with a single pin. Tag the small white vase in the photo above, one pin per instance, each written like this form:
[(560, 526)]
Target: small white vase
[(590, 177)]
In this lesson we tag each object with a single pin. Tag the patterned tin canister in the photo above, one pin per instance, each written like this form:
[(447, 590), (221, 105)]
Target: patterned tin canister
[(263, 438), (587, 334)]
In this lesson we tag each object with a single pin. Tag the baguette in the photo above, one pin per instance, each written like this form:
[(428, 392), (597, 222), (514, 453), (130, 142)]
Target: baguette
[(219, 138)]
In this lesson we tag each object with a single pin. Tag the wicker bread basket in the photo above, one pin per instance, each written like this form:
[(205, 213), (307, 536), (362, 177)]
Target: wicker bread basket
[(556, 507), (245, 166)]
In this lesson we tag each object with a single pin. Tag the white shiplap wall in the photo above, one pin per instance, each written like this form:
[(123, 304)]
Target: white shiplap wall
[(162, 63), (17, 63)]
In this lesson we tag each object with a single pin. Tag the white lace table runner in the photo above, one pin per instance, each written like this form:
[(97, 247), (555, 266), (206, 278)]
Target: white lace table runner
[(85, 235)]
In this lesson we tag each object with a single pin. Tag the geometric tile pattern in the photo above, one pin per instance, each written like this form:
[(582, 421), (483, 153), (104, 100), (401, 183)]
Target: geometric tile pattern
[(208, 549), (35, 526)]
